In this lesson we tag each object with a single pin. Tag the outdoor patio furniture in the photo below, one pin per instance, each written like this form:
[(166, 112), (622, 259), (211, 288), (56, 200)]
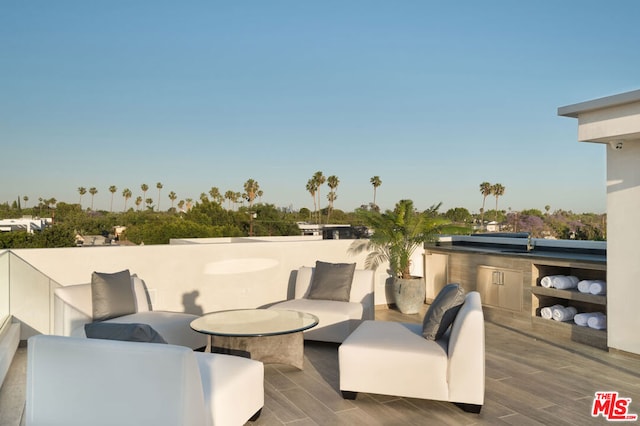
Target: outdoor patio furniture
[(73, 308), (76, 381), (394, 358), (337, 318)]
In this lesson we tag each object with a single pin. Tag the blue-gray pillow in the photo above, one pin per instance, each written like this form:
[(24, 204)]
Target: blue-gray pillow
[(442, 312), (112, 295), (119, 331), (331, 281)]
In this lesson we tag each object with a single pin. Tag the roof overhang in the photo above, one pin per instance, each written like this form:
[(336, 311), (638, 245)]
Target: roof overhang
[(609, 119)]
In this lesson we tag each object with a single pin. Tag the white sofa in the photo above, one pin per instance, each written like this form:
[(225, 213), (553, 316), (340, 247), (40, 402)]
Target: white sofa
[(394, 358), (75, 381), (336, 319), (73, 309)]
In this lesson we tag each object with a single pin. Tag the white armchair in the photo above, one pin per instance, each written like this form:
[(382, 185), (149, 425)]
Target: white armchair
[(75, 381), (337, 319), (394, 358)]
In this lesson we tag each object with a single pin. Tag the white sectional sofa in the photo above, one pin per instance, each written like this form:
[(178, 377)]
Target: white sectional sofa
[(337, 319), (76, 381), (394, 358), (73, 309)]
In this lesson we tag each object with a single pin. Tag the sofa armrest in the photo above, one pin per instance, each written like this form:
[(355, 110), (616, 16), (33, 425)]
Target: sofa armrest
[(72, 308), (303, 282), (467, 354), (75, 381), (362, 292)]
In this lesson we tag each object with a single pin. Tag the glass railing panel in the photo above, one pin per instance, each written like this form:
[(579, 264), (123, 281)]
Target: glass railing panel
[(4, 286), (31, 298)]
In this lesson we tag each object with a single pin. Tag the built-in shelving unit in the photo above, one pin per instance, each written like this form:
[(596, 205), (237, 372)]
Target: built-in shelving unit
[(583, 302)]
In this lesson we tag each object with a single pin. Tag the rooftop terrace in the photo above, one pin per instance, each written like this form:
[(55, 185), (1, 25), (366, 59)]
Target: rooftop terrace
[(529, 379)]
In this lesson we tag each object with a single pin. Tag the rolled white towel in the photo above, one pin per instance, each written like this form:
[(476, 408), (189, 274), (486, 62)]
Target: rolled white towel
[(562, 282), (582, 319), (564, 314), (547, 281), (565, 282), (547, 312), (598, 287), (599, 322), (583, 286)]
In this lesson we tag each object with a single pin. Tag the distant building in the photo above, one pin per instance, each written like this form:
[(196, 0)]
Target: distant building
[(331, 231), (493, 226), (25, 224)]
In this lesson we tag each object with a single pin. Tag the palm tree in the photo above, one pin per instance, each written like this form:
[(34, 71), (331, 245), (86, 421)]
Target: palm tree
[(319, 179), (25, 198), (93, 191), (376, 182), (251, 188), (237, 198), (159, 186), (82, 190), (144, 188), (112, 190), (333, 183), (149, 202), (173, 197), (331, 197), (138, 202), (498, 191), (189, 203), (485, 190), (180, 204), (126, 194), (229, 196), (312, 188), (203, 197), (260, 193), (215, 194)]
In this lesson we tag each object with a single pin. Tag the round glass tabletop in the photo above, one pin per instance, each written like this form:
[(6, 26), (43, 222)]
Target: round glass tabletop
[(253, 322)]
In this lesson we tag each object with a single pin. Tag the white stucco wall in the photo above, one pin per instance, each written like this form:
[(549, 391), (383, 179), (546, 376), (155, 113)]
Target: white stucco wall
[(623, 248), (615, 120), (195, 278)]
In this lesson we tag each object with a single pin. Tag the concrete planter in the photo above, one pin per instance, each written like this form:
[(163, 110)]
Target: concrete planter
[(409, 294)]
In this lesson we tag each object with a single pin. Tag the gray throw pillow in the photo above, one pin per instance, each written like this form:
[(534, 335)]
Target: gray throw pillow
[(332, 281), (119, 331), (442, 311), (112, 295)]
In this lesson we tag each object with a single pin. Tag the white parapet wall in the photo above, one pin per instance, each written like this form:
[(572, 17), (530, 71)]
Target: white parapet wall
[(195, 278)]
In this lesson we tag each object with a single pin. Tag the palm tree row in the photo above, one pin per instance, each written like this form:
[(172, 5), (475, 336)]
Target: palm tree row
[(313, 187), (252, 190), (487, 189)]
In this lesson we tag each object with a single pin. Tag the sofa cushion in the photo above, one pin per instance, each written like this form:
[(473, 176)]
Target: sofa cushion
[(130, 332), (442, 311), (332, 281), (392, 358), (112, 295), (174, 327), (336, 320)]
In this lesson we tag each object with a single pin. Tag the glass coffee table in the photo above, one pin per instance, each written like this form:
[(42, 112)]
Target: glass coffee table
[(269, 335)]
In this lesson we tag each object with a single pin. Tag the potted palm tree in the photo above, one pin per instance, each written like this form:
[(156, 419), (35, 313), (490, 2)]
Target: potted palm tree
[(396, 235)]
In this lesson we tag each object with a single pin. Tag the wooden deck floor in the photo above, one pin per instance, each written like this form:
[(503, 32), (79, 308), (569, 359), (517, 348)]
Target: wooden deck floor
[(529, 381)]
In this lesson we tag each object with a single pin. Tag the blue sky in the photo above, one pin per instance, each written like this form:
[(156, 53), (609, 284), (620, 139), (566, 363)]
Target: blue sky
[(433, 97)]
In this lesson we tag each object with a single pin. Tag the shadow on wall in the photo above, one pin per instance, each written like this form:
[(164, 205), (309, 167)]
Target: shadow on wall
[(189, 303)]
